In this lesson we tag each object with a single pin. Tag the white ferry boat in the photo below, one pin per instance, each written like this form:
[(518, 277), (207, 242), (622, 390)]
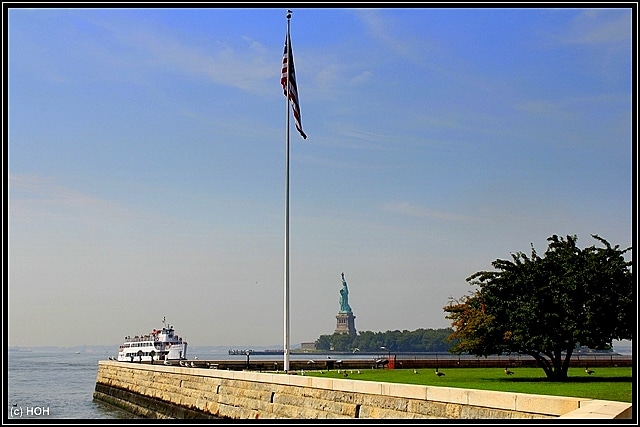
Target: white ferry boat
[(159, 345)]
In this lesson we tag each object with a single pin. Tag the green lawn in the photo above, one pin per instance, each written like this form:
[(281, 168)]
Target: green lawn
[(604, 384)]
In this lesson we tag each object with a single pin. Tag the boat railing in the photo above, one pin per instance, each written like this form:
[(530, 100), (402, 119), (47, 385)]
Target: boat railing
[(153, 338), (139, 338)]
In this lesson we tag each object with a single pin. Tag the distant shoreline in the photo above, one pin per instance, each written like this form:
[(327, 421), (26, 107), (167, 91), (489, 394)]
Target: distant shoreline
[(619, 350), (623, 347)]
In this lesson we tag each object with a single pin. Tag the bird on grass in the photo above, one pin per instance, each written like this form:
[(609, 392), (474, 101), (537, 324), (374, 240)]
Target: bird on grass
[(507, 371), (589, 371), (438, 373), (415, 371)]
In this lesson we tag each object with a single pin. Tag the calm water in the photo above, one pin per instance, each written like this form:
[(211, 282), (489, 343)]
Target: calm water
[(55, 385)]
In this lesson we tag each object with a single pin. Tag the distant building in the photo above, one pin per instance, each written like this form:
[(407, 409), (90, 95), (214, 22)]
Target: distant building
[(308, 346)]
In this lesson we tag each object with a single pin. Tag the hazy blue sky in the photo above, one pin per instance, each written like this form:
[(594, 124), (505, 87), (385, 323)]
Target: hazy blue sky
[(147, 163)]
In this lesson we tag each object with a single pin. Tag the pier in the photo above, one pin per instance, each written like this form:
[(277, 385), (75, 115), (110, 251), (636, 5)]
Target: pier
[(256, 352), (255, 361), (162, 391)]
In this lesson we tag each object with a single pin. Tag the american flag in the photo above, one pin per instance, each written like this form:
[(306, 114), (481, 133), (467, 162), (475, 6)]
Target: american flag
[(287, 67)]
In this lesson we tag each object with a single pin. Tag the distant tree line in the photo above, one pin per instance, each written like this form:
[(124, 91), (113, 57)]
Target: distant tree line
[(420, 340)]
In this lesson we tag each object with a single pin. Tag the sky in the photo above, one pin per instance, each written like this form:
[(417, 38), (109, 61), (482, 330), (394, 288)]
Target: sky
[(146, 163)]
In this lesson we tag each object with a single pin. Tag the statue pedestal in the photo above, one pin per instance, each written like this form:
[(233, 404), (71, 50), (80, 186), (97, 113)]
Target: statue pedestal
[(346, 324)]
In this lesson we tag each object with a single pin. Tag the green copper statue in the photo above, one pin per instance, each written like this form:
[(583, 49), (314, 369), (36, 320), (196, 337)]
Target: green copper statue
[(344, 297)]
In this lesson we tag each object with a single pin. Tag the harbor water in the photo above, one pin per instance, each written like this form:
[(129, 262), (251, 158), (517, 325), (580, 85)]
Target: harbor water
[(55, 384)]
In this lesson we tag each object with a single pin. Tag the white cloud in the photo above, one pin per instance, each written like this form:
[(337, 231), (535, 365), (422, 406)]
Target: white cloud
[(361, 78), (608, 29), (385, 31), (33, 196), (597, 27)]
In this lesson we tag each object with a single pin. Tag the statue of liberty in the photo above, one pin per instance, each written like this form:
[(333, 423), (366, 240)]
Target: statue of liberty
[(344, 297)]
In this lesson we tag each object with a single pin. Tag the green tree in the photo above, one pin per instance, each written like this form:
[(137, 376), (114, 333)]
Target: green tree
[(323, 342), (547, 306), (420, 340), (342, 342)]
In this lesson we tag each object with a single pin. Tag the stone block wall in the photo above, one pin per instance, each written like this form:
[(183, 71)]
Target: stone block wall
[(158, 391)]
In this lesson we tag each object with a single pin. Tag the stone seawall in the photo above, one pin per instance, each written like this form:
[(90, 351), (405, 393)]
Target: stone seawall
[(158, 391)]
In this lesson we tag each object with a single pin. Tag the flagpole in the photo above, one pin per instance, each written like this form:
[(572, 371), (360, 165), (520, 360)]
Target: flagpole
[(286, 213)]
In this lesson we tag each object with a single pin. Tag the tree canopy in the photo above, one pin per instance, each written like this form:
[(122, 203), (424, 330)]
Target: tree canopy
[(547, 306), (419, 340)]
